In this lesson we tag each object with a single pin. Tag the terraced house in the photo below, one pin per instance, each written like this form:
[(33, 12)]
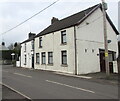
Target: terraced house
[(76, 44), (27, 52)]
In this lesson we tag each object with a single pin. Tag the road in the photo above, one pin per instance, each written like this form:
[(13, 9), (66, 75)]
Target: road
[(11, 94), (37, 84)]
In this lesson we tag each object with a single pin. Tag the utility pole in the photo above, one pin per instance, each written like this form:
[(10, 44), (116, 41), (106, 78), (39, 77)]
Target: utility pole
[(104, 8)]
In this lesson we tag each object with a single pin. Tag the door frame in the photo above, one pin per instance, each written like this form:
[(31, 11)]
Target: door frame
[(102, 60)]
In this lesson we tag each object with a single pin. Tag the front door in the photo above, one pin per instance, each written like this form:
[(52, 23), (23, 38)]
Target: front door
[(32, 61), (102, 61)]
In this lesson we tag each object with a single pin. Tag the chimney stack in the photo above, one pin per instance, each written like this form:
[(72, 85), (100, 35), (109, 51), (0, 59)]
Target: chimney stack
[(3, 43), (31, 35), (53, 20)]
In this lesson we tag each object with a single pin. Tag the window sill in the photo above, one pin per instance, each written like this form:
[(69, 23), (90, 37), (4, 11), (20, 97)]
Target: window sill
[(64, 65), (50, 64), (40, 47), (37, 63), (43, 64), (63, 44)]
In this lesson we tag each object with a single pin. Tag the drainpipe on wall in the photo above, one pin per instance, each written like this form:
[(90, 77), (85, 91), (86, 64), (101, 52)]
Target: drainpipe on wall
[(75, 50), (20, 54), (34, 52)]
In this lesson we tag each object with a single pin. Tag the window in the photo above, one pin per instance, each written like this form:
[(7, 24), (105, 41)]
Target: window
[(43, 58), (64, 57), (37, 58), (25, 59), (114, 56), (50, 57), (25, 47), (32, 44), (63, 37), (40, 42), (110, 57), (86, 50), (93, 50)]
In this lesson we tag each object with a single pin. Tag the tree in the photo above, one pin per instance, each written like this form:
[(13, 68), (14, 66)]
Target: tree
[(11, 47), (15, 45), (3, 43), (17, 48)]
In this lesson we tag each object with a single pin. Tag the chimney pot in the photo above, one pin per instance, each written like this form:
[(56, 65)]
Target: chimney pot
[(53, 20)]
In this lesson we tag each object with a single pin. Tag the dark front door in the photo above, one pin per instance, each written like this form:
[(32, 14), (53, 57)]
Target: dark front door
[(102, 61), (32, 61)]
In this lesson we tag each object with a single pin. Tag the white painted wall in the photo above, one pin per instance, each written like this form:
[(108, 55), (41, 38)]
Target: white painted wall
[(28, 54), (91, 37), (52, 42), (17, 63)]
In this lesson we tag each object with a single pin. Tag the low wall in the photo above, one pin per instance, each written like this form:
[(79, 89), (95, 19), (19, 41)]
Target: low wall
[(17, 63)]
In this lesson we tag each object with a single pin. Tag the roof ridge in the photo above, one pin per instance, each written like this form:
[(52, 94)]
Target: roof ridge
[(64, 22), (81, 11)]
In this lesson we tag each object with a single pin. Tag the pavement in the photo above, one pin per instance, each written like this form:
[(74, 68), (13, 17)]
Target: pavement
[(37, 84), (9, 94), (96, 77)]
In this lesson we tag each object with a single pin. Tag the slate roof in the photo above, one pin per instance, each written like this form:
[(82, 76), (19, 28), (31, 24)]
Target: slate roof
[(29, 39), (73, 20), (67, 22)]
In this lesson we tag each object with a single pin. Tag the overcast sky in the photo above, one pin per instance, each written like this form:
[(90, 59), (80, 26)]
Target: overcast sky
[(13, 12)]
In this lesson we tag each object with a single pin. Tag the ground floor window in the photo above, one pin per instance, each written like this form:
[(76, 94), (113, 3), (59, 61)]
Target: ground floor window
[(64, 57), (37, 58), (50, 57), (25, 59), (43, 58)]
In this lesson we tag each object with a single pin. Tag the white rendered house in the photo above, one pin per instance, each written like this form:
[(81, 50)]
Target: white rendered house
[(76, 44), (27, 52)]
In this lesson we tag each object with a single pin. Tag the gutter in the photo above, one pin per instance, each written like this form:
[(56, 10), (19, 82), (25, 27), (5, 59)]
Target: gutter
[(75, 50)]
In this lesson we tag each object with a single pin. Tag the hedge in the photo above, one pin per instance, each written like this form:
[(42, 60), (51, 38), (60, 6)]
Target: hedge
[(6, 54)]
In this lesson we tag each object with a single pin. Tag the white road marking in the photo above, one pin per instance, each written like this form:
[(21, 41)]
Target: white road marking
[(4, 71), (16, 91), (85, 77), (23, 75), (70, 86)]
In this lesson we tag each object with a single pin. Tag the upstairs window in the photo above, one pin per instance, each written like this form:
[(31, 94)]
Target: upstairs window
[(63, 37), (40, 42), (37, 58), (50, 57), (25, 59), (25, 47), (43, 58), (32, 44)]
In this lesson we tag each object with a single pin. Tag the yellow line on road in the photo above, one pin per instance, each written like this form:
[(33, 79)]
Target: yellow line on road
[(70, 86)]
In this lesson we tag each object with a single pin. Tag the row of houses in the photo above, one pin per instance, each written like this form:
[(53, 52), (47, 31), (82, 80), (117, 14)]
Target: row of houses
[(73, 45)]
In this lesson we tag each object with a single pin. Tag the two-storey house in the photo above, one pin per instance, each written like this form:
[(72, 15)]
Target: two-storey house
[(27, 52), (74, 44)]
